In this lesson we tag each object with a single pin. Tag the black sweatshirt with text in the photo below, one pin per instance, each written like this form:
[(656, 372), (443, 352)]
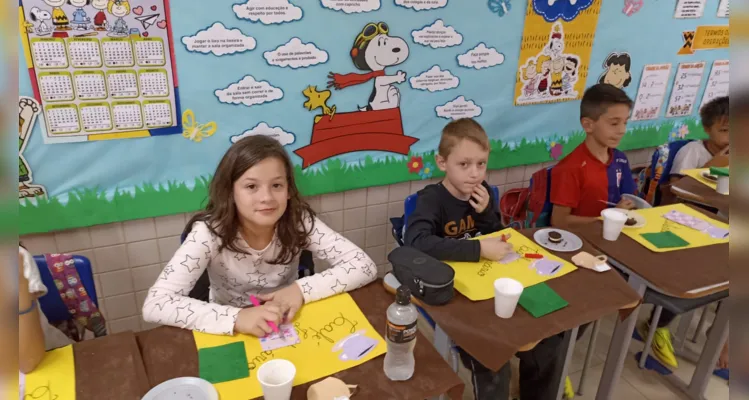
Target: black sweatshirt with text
[(440, 222)]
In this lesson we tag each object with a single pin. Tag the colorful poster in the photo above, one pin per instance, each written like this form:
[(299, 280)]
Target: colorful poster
[(356, 91), (334, 335), (684, 91), (689, 8), (724, 9), (554, 57), (28, 110), (651, 92), (83, 50), (706, 37), (717, 82)]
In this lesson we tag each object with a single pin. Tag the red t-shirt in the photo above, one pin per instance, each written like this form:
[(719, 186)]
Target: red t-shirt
[(583, 183)]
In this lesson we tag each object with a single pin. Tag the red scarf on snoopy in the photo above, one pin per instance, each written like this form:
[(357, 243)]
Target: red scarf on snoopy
[(339, 81)]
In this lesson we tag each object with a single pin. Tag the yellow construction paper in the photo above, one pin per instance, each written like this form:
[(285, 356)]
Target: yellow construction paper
[(654, 222), (54, 378), (697, 174), (322, 327), (475, 280)]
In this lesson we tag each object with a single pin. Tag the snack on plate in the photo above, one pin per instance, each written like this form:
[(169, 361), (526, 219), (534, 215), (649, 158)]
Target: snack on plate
[(555, 237)]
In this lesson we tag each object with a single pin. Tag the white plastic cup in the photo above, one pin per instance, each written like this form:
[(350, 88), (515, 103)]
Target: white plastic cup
[(507, 292), (613, 223), (722, 185), (276, 379)]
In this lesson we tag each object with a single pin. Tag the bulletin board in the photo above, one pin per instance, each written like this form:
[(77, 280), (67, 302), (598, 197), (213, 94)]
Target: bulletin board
[(356, 90)]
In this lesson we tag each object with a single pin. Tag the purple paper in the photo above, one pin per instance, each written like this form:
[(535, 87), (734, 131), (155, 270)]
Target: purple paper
[(717, 233), (687, 220), (546, 267), (512, 257)]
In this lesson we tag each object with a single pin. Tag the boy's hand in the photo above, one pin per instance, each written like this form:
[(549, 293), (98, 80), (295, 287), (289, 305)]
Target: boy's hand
[(479, 198), (626, 204), (495, 249), (290, 299), (254, 320)]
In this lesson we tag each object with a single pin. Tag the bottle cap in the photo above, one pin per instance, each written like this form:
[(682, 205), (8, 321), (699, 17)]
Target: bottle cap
[(403, 295)]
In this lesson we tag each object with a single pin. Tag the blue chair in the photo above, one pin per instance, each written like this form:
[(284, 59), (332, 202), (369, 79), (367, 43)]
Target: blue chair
[(51, 304), (650, 179)]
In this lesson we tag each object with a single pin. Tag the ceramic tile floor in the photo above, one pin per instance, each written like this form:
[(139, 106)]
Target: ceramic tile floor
[(634, 383)]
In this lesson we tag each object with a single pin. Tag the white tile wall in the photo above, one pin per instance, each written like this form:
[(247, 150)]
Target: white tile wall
[(127, 257)]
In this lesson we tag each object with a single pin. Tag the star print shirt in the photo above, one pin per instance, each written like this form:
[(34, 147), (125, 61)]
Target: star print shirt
[(235, 276)]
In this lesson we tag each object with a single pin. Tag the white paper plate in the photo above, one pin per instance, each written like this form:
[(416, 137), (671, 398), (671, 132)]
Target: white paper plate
[(640, 203), (570, 242), (187, 388), (641, 221)]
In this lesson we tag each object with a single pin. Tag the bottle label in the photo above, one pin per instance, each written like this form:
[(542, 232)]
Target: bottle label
[(401, 333)]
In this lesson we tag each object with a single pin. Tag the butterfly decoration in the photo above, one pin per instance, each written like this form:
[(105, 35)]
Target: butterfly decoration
[(631, 7), (499, 7), (194, 131)]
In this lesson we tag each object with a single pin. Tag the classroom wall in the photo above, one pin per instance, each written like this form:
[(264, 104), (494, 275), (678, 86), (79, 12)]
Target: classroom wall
[(128, 256)]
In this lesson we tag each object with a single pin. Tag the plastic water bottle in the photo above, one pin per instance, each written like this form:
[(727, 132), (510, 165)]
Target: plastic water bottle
[(401, 337)]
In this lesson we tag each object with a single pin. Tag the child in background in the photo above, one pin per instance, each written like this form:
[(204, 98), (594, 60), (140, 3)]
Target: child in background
[(249, 239), (712, 152), (697, 154), (461, 207), (595, 174)]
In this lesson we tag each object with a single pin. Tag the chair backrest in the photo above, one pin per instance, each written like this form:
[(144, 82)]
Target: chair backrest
[(51, 304), (529, 207), (659, 171)]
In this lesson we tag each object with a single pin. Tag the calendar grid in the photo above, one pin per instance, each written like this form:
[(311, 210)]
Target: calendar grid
[(94, 82)]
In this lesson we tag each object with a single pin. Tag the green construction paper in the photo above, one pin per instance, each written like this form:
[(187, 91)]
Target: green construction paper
[(223, 363), (665, 240), (540, 300), (718, 171)]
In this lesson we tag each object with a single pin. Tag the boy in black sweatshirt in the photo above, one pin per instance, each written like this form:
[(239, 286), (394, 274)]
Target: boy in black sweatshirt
[(461, 207)]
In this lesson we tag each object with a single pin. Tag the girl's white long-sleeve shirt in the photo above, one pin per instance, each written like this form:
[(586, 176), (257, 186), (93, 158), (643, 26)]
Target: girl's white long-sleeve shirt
[(235, 276)]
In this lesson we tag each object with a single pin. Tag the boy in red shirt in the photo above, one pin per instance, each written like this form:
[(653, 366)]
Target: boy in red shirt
[(595, 174)]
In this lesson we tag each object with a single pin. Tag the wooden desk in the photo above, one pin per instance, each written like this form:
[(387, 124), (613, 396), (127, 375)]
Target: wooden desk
[(171, 352), (690, 189), (690, 273)]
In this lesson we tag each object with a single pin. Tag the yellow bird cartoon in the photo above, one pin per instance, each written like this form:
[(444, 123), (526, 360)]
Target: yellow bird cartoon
[(318, 99)]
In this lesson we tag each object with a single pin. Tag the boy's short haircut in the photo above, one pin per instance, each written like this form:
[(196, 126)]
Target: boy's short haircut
[(464, 128), (599, 97), (713, 111)]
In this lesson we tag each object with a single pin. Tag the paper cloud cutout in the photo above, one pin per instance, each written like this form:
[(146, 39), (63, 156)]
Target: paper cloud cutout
[(552, 10), (481, 57), (283, 137), (351, 6), (296, 54), (249, 92), (268, 11), (458, 108), (219, 40), (421, 5), (437, 35), (434, 80)]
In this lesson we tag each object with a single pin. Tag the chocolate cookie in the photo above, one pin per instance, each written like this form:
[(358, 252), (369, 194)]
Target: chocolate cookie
[(555, 237)]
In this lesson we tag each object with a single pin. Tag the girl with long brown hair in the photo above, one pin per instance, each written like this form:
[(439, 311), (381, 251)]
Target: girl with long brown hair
[(249, 238)]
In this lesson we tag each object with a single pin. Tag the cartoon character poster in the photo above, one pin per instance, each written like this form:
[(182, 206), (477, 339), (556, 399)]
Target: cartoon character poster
[(28, 110), (376, 123), (554, 57), (101, 69), (616, 70)]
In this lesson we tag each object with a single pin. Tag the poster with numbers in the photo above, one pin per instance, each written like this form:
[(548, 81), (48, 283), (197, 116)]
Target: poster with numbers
[(102, 69), (651, 92), (717, 82), (684, 91)]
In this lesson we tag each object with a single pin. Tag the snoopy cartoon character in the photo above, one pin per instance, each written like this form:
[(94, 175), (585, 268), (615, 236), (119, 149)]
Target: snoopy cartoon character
[(38, 15), (374, 50)]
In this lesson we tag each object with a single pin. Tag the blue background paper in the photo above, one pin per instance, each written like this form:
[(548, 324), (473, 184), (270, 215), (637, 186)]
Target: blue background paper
[(650, 36)]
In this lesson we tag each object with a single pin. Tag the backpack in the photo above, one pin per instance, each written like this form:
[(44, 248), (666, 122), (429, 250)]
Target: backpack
[(528, 207), (651, 178)]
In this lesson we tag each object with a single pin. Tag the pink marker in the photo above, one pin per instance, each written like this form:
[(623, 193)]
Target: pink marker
[(256, 303)]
